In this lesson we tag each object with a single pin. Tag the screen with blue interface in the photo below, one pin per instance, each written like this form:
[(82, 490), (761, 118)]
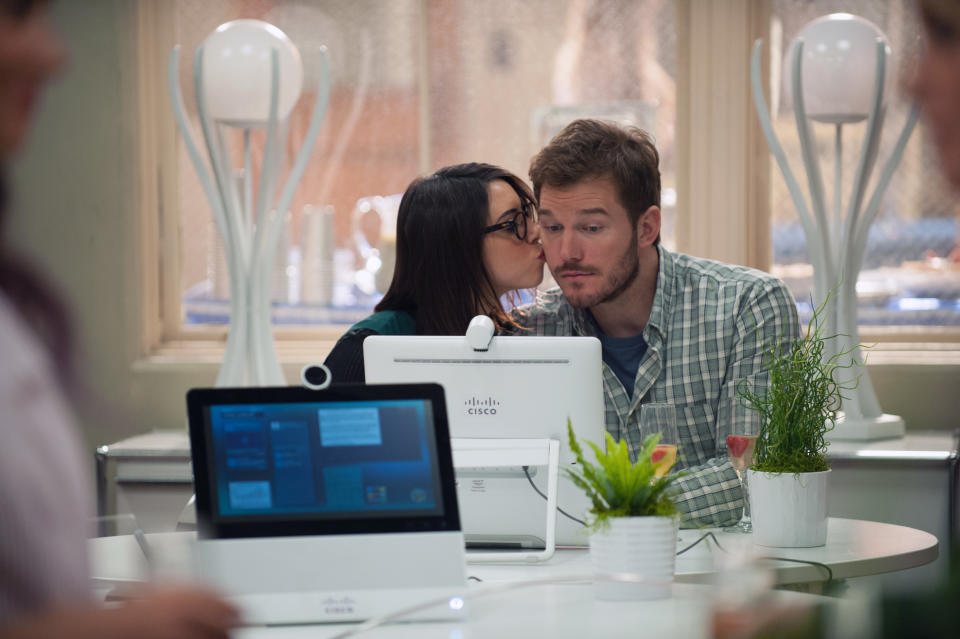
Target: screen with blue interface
[(365, 458)]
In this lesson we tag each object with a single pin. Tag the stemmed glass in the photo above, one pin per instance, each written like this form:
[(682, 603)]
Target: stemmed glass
[(741, 442), (661, 418)]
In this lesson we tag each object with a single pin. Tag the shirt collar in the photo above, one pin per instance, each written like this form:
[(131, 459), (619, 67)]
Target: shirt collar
[(664, 295)]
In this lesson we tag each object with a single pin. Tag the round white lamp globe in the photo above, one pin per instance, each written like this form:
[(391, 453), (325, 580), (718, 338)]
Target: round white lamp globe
[(236, 72), (839, 67)]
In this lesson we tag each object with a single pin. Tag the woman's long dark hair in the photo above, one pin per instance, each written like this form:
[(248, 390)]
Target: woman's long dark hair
[(33, 297), (440, 277)]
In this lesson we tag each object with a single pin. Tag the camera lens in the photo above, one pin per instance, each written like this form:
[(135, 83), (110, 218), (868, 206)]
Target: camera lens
[(316, 376)]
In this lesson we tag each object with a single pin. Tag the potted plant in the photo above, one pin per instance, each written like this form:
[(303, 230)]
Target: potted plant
[(789, 473), (632, 518)]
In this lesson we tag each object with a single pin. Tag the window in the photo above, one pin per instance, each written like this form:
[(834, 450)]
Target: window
[(367, 150), (418, 85), (910, 279)]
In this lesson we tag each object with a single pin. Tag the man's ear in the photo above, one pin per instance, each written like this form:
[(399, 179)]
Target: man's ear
[(648, 226)]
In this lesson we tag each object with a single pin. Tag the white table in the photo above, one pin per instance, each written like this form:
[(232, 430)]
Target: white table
[(555, 611), (854, 548), (910, 481)]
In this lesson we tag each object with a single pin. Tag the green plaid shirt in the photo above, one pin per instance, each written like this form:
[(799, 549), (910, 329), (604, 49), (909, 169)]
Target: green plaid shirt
[(708, 329)]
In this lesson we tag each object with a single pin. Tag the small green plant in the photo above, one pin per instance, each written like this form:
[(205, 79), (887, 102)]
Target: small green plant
[(618, 488), (799, 406)]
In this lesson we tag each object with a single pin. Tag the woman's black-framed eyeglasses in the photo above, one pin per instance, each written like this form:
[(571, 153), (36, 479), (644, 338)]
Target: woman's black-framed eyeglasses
[(517, 223)]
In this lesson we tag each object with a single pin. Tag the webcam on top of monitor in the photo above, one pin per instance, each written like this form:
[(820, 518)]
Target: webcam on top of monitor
[(316, 376)]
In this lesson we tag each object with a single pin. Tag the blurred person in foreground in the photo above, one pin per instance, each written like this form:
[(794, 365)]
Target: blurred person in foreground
[(46, 501), (935, 84), (917, 613)]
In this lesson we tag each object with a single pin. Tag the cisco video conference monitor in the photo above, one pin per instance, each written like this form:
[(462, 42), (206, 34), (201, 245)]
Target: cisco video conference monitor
[(326, 505), (520, 387), (292, 461)]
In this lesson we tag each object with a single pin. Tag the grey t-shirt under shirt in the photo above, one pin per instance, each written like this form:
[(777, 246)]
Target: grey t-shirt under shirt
[(623, 355)]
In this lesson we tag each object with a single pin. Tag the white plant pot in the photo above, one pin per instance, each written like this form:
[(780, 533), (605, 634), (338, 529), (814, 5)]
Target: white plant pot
[(641, 551), (789, 510)]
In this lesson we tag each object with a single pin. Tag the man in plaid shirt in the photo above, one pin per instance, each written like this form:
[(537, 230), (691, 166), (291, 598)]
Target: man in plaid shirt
[(675, 329)]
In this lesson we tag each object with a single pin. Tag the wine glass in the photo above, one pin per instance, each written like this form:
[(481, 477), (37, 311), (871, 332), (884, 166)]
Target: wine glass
[(661, 418), (742, 428)]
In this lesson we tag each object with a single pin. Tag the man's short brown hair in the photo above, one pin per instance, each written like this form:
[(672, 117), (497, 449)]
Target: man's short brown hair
[(588, 149)]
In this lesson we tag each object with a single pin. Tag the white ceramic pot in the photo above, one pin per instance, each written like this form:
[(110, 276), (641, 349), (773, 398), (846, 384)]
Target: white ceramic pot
[(789, 510), (642, 549)]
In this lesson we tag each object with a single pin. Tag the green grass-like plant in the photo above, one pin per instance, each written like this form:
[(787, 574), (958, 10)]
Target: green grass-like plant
[(800, 404), (617, 487)]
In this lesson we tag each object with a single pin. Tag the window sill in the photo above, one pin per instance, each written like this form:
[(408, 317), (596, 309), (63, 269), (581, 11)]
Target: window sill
[(197, 354), (200, 354), (913, 354)]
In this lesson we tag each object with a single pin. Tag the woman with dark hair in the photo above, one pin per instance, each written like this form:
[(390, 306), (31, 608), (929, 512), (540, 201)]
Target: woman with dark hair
[(46, 500), (466, 236)]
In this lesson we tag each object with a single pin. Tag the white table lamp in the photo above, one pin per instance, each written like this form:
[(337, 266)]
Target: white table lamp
[(237, 71), (836, 72), (247, 75), (839, 58)]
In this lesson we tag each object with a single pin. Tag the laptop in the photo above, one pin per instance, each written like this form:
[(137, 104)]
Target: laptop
[(327, 506)]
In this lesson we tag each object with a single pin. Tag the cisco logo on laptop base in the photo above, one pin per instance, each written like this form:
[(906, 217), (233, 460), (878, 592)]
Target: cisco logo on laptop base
[(477, 407), (334, 606)]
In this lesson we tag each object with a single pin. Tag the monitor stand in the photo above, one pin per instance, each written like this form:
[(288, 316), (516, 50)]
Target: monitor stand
[(498, 453)]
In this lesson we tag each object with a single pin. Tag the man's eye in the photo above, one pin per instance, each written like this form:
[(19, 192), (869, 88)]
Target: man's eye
[(551, 228), (593, 228)]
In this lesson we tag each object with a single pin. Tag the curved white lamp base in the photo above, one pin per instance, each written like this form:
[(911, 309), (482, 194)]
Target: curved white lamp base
[(865, 428)]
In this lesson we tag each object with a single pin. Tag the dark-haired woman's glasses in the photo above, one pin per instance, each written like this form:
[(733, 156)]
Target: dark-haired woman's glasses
[(517, 223)]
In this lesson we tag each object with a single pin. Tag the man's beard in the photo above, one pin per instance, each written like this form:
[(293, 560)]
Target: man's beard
[(619, 280)]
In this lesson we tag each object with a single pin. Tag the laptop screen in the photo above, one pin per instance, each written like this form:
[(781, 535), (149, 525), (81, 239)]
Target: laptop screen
[(285, 461)]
